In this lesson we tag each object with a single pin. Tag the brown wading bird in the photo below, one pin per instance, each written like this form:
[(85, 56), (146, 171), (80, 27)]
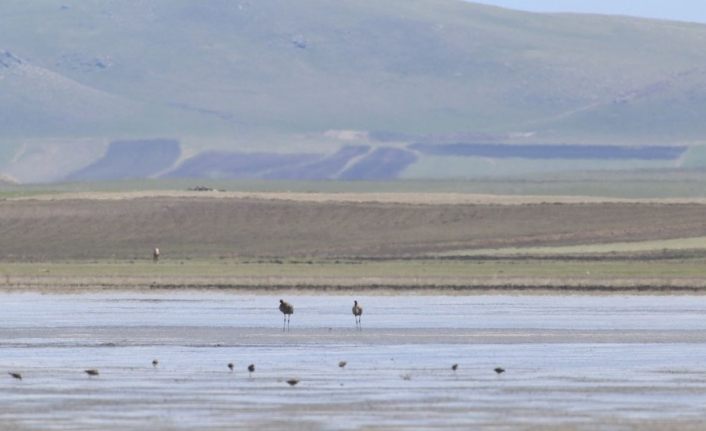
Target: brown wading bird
[(357, 313), (155, 255), (92, 372), (17, 376), (287, 309)]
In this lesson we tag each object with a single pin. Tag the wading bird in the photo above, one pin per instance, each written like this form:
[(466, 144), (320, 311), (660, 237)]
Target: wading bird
[(342, 364), (292, 382), (155, 255), (357, 313), (155, 363), (251, 369), (230, 366), (92, 372), (17, 376), (287, 309), (454, 367), (499, 370)]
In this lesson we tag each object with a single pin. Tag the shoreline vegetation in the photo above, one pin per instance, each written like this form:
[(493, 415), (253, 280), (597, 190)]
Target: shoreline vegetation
[(394, 276)]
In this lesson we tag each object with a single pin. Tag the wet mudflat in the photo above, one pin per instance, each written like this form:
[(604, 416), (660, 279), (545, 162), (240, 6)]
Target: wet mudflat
[(572, 362)]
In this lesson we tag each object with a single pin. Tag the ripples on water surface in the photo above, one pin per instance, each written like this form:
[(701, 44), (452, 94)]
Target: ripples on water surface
[(581, 361)]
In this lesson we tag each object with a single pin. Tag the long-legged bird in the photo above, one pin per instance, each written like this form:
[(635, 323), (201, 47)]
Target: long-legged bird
[(287, 309), (357, 313)]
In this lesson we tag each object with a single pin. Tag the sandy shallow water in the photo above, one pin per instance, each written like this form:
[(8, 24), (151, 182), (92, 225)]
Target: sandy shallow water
[(573, 362)]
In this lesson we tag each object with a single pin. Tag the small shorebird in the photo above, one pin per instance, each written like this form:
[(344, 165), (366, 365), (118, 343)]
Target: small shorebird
[(17, 376), (251, 369), (499, 370), (92, 372), (292, 382), (357, 313), (287, 309), (230, 366), (342, 364), (155, 362)]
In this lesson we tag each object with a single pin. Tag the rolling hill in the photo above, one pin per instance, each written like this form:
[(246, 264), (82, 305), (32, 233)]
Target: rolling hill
[(314, 76)]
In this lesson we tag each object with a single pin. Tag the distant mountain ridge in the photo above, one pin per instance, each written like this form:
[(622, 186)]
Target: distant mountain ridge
[(277, 77)]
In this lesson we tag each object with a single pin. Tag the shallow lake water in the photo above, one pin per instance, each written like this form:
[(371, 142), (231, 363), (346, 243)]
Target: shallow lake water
[(572, 362)]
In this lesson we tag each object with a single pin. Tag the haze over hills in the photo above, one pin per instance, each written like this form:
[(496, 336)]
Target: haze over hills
[(346, 89)]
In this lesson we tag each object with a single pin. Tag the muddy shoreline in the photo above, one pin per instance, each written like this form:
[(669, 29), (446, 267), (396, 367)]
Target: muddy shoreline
[(572, 362)]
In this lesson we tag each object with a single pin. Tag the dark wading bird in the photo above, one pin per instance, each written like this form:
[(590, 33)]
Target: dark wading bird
[(287, 309), (292, 382), (230, 366), (155, 362), (17, 376), (454, 367), (251, 369), (499, 370), (357, 313), (92, 372), (342, 364)]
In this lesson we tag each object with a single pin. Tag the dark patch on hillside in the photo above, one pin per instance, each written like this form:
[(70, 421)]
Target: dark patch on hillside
[(382, 164), (236, 165), (327, 168), (131, 159), (539, 151)]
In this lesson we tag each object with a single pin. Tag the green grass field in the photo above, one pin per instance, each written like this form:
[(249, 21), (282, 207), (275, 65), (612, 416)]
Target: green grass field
[(696, 244), (358, 274), (617, 184)]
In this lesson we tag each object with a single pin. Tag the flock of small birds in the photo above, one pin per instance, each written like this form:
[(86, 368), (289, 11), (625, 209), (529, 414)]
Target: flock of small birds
[(92, 372), (287, 309)]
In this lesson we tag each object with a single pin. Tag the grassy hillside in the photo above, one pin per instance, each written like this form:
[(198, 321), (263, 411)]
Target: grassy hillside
[(272, 74)]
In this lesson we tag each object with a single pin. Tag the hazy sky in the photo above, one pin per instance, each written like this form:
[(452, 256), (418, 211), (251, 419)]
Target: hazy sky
[(682, 10)]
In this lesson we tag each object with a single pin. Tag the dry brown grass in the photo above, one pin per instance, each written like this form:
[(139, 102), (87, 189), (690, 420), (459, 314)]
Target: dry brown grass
[(196, 227)]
